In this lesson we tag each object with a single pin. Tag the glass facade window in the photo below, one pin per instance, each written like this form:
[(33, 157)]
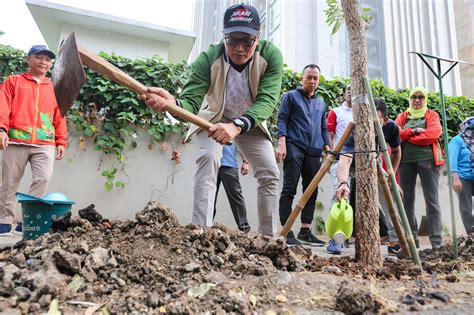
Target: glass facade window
[(373, 29), (375, 74), (275, 37), (274, 17), (260, 5), (373, 52), (263, 28)]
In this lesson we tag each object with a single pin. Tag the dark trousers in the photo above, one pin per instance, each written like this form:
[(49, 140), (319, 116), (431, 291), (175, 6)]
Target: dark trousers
[(297, 164), (229, 176), (465, 204), (429, 175), (383, 229)]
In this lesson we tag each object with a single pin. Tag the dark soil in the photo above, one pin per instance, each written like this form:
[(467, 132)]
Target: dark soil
[(153, 265)]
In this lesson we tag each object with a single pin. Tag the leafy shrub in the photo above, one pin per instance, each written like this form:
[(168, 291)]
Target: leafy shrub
[(110, 114)]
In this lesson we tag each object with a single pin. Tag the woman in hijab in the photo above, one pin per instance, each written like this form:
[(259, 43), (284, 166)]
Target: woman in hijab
[(420, 129), (461, 156)]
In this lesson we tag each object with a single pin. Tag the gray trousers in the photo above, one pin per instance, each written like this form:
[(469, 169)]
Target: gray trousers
[(258, 150), (15, 159), (465, 204), (429, 176), (229, 176)]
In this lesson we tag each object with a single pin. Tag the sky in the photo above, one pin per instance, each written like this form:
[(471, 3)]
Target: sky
[(22, 32)]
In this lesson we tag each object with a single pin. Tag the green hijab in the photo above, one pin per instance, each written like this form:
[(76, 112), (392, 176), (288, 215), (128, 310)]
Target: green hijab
[(418, 113)]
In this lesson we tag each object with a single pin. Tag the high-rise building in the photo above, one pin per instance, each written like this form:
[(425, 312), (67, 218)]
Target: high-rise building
[(425, 26), (464, 17), (208, 16), (299, 29)]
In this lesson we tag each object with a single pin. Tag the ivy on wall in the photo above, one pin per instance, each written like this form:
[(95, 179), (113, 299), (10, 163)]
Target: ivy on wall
[(110, 114)]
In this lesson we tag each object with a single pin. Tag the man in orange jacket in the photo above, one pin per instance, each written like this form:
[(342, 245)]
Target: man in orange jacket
[(31, 128)]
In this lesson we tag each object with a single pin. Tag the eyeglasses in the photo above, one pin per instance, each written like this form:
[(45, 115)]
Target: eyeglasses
[(419, 97), (246, 42)]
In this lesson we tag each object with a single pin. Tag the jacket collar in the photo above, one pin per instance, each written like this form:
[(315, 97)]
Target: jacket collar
[(301, 90), (27, 75)]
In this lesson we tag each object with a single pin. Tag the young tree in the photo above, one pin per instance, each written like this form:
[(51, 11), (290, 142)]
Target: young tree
[(366, 215)]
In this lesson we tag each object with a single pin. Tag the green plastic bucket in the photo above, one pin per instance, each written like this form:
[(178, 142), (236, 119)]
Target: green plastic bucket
[(38, 214)]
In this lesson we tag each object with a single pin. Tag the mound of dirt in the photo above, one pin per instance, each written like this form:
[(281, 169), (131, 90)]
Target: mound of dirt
[(443, 261), (154, 264), (152, 261)]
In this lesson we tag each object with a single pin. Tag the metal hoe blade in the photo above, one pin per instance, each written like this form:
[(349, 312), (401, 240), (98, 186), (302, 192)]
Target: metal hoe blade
[(68, 74)]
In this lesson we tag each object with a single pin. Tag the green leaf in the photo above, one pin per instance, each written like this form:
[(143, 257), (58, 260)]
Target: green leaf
[(119, 184), (108, 186)]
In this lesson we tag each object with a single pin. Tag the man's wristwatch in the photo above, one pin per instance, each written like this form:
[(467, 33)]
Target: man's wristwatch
[(239, 123)]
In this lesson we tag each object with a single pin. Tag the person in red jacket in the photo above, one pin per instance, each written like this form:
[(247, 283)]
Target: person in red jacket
[(31, 130), (420, 129)]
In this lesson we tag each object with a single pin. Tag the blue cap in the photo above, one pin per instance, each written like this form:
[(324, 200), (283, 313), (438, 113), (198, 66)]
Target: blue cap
[(41, 49)]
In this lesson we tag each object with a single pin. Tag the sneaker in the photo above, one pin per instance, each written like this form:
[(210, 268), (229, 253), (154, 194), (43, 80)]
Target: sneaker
[(244, 228), (291, 240), (350, 241), (333, 247), (5, 229), (436, 247), (347, 244), (309, 239), (18, 229), (394, 250)]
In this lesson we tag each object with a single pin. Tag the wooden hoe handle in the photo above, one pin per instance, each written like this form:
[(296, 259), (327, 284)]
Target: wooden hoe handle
[(105, 68)]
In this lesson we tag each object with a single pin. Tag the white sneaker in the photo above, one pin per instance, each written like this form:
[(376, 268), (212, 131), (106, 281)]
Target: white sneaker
[(18, 231)]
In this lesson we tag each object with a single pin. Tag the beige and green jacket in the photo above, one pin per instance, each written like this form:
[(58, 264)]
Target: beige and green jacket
[(203, 93)]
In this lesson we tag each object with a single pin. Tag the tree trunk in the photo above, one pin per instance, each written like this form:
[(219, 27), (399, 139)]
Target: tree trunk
[(366, 214)]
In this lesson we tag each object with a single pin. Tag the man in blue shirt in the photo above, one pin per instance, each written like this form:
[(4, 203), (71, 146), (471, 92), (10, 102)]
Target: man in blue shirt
[(461, 155), (302, 138), (229, 176)]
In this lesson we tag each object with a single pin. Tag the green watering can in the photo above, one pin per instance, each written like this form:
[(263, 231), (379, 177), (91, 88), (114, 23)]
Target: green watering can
[(339, 221)]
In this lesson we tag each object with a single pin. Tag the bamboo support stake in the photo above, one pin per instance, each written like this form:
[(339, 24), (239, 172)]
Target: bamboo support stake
[(391, 209)]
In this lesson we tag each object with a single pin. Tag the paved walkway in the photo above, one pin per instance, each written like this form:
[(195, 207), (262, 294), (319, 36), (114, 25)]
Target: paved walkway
[(321, 251)]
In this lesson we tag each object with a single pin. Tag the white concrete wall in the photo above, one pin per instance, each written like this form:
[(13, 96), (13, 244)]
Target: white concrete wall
[(149, 174), (110, 42)]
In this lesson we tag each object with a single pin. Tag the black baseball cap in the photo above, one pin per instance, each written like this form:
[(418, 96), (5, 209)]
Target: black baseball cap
[(41, 49), (242, 18)]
